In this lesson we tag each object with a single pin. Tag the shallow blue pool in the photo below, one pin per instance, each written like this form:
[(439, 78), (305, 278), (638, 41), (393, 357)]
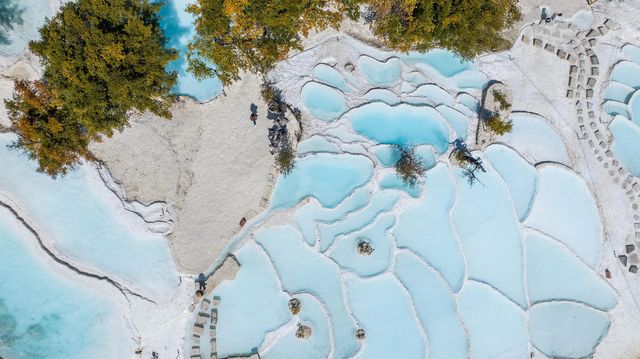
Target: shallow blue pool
[(45, 315), (622, 101), (380, 73), (345, 250), (435, 306), (315, 347), (330, 76), (634, 108), (84, 221), (555, 273), (567, 330), (627, 73), (563, 194), (403, 125), (324, 102), (632, 52), (255, 279), (380, 202), (489, 227), (302, 270), (315, 176), (496, 326), (445, 62), (426, 228), (618, 92), (519, 176), (179, 28), (391, 333)]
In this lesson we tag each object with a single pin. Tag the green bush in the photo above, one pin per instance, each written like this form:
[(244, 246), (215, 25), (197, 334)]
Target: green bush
[(499, 126), (285, 159), (501, 98), (467, 27)]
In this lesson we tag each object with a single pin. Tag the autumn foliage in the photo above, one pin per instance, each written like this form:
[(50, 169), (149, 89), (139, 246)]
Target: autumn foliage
[(103, 60), (253, 35), (467, 27), (45, 129), (409, 167)]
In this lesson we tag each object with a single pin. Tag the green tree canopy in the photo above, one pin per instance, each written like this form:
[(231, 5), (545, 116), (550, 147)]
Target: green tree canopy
[(467, 27), (253, 35), (103, 60)]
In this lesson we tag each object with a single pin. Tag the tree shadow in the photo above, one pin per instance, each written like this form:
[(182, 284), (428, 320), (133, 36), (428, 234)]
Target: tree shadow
[(483, 113), (10, 15)]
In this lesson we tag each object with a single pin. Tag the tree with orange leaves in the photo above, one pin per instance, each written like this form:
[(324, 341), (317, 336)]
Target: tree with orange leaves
[(467, 27), (45, 130), (103, 60), (236, 35), (253, 35)]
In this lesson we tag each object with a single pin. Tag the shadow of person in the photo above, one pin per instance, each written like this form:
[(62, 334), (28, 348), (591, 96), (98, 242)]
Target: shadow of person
[(543, 14), (253, 108), (10, 15)]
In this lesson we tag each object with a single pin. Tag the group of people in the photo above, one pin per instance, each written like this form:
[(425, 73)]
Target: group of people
[(278, 131)]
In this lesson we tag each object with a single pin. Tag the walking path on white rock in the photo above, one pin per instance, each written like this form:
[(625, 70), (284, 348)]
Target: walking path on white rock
[(569, 43)]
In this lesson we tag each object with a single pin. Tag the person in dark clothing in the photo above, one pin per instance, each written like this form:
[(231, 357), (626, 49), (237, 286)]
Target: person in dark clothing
[(202, 282)]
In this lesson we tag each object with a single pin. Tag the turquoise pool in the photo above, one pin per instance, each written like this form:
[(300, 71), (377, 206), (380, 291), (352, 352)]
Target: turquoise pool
[(179, 29), (323, 102), (403, 125), (331, 76), (380, 73), (622, 101), (456, 271), (86, 223), (47, 315)]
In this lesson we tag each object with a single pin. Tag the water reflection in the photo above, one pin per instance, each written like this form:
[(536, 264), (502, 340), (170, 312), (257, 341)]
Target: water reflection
[(10, 15)]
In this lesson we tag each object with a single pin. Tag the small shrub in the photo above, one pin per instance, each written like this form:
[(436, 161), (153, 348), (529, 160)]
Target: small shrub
[(294, 306), (298, 116), (303, 332), (409, 167), (269, 92), (285, 159), (499, 126), (501, 97), (364, 248)]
